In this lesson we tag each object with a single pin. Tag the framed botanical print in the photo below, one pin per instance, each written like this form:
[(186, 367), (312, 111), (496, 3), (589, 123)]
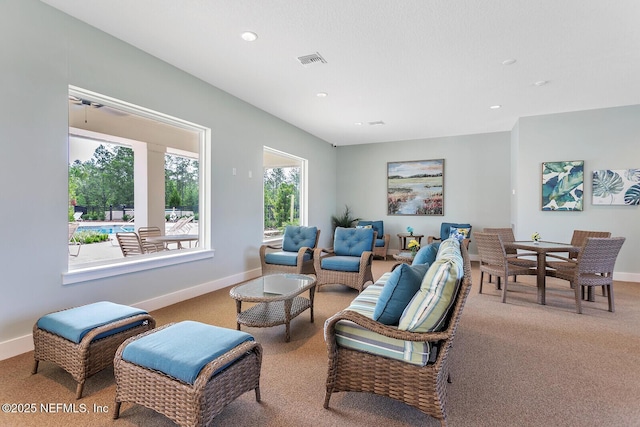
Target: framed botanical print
[(616, 187), (415, 187), (562, 186)]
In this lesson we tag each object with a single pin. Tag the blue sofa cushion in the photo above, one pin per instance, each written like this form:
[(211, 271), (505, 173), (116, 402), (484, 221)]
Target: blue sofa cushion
[(445, 229), (74, 323), (426, 254), (298, 237), (352, 241), (183, 349), (340, 263), (401, 286), (284, 258), (378, 227)]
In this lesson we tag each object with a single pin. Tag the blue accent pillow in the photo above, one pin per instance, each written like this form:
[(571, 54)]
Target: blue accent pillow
[(427, 254), (74, 323), (378, 226), (183, 349), (401, 286)]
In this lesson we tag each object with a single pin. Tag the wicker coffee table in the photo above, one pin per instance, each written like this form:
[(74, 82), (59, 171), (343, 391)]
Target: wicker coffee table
[(278, 300)]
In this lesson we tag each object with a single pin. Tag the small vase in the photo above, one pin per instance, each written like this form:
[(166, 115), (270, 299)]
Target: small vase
[(535, 242)]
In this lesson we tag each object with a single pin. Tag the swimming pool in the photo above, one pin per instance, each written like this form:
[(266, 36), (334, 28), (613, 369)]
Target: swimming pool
[(106, 229)]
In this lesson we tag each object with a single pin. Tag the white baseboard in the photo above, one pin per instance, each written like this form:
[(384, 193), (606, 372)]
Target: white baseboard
[(24, 344)]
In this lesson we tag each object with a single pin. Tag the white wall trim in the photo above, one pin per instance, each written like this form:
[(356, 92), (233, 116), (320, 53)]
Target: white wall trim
[(24, 344)]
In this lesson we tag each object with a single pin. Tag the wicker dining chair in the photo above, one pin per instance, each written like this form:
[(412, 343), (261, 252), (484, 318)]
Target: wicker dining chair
[(506, 234), (578, 239), (496, 262), (593, 267)]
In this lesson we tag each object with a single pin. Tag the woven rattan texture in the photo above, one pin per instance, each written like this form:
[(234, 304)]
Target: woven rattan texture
[(423, 387), (185, 404), (87, 357)]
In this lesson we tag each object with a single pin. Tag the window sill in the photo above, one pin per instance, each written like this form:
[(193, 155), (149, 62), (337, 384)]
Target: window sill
[(134, 265)]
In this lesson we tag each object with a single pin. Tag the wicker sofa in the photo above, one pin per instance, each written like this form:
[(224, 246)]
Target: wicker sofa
[(407, 361)]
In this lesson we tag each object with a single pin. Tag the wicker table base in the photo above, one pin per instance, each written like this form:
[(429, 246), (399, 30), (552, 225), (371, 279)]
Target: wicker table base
[(277, 308)]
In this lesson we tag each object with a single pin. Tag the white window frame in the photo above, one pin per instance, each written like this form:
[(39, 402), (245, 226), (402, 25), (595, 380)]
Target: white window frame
[(152, 261), (304, 220)]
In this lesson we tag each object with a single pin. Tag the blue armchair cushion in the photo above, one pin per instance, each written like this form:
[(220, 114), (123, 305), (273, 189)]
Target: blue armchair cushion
[(445, 229), (284, 258), (378, 227), (426, 254), (401, 286), (352, 241), (341, 263), (298, 237), (74, 323), (183, 349)]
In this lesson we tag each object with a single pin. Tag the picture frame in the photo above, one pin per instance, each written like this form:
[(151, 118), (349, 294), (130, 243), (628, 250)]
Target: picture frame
[(415, 187), (563, 186), (616, 187)]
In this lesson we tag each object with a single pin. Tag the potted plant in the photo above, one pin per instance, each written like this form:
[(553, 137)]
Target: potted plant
[(344, 220)]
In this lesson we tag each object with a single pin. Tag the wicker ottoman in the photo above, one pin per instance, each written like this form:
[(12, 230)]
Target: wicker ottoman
[(187, 371), (83, 340)]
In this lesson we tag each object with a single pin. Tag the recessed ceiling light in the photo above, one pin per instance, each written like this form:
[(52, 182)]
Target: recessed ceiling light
[(249, 36), (358, 123), (509, 61), (495, 107), (541, 82), (321, 94)]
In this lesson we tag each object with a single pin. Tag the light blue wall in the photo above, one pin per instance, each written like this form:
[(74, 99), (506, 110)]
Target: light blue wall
[(43, 51), (477, 181), (604, 139)]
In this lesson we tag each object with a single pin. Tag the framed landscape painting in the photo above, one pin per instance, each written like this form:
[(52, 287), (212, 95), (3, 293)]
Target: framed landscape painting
[(562, 186), (415, 187), (616, 187)]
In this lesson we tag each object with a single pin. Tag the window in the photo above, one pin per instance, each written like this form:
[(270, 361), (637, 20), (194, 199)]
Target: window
[(130, 167), (284, 183)]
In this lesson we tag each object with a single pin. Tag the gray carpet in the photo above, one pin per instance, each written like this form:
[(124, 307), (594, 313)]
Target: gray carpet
[(513, 364)]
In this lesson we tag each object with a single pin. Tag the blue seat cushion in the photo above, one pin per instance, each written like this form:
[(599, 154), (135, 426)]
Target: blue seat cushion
[(379, 243), (352, 241), (401, 286), (297, 237), (74, 323), (183, 349), (284, 258), (340, 263), (426, 254)]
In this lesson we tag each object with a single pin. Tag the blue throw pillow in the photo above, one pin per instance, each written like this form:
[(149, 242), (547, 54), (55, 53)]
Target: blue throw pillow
[(400, 288), (427, 254)]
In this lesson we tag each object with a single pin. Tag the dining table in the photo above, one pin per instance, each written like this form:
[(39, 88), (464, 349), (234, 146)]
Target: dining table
[(541, 248)]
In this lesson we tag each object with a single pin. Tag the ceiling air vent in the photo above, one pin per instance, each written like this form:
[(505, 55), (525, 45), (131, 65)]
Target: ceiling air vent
[(377, 123), (314, 58)]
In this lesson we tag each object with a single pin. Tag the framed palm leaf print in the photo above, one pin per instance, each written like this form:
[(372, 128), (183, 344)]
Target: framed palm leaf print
[(616, 187), (562, 186)]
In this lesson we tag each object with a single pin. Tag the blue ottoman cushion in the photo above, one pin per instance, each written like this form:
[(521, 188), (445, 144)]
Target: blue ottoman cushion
[(74, 323), (183, 349)]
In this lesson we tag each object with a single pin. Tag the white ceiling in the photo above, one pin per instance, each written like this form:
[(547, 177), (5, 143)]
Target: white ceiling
[(426, 68)]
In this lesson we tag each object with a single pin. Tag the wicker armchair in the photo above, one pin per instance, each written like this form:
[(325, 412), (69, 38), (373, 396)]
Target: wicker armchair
[(381, 246), (294, 255), (349, 261), (445, 232), (495, 261), (423, 387), (593, 267)]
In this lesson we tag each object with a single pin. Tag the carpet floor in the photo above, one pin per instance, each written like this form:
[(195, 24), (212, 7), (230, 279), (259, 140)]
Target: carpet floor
[(513, 364)]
